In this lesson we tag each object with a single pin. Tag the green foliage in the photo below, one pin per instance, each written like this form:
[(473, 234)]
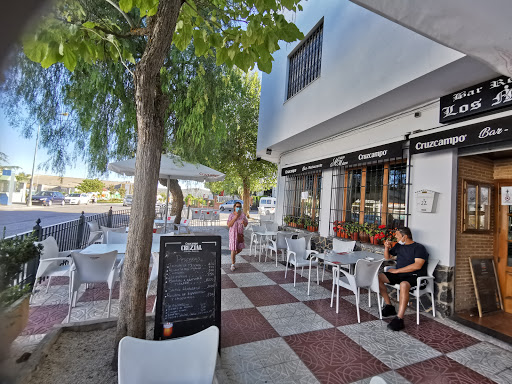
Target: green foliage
[(90, 185), (22, 177), (14, 253), (235, 154), (122, 192)]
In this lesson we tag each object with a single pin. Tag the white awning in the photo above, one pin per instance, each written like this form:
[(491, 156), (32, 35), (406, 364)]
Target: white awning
[(477, 28)]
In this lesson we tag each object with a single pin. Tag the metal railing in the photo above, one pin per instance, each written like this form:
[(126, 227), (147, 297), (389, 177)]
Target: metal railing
[(70, 235)]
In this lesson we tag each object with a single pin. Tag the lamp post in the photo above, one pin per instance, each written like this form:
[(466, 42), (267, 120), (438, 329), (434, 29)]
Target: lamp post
[(29, 200)]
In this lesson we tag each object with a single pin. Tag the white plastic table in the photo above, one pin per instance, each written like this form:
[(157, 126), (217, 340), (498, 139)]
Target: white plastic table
[(266, 235)]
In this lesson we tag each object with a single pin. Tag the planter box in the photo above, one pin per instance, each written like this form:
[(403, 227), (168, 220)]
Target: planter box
[(13, 320)]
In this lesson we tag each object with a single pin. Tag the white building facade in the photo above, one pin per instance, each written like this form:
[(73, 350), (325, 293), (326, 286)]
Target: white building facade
[(352, 116)]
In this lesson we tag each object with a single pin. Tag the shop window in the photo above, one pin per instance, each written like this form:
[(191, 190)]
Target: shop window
[(477, 206), (302, 199), (372, 193), (305, 63)]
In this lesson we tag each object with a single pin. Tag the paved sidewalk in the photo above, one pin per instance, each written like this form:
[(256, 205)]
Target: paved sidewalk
[(273, 332)]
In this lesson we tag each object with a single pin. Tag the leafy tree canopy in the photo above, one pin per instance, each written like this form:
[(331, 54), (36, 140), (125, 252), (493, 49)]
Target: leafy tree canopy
[(91, 185)]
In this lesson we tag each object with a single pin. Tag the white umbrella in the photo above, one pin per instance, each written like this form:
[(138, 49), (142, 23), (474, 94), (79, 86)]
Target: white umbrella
[(171, 167), (480, 29)]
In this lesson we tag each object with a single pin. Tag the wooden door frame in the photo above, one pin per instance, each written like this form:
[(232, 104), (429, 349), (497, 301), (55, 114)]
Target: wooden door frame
[(501, 271)]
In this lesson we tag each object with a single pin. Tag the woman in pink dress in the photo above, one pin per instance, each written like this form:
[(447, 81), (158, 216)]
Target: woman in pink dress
[(236, 223)]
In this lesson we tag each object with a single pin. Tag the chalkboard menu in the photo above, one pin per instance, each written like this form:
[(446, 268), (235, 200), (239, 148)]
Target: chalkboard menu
[(487, 291), (188, 293)]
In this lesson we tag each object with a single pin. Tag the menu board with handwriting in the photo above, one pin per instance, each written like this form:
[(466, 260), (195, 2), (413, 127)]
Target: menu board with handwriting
[(188, 294)]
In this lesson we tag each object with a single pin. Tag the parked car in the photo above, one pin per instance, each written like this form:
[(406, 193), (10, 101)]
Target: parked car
[(230, 204), (127, 200), (48, 198), (267, 206), (77, 198)]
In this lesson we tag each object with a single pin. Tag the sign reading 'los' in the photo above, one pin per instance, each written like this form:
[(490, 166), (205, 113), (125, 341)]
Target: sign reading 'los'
[(487, 96)]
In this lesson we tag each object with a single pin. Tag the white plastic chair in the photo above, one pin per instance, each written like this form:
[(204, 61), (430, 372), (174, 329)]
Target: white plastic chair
[(298, 256), (95, 233), (184, 224), (271, 226), (196, 215), (256, 239), (52, 262), (264, 218), (365, 276), (341, 246), (116, 238), (207, 217), (216, 217), (108, 229), (307, 237), (418, 291), (154, 274), (92, 268), (185, 360), (279, 244)]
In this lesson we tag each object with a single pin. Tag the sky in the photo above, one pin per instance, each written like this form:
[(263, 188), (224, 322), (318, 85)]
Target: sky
[(20, 152)]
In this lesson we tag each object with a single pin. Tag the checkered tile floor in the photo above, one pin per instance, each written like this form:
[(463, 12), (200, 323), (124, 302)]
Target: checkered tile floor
[(273, 332)]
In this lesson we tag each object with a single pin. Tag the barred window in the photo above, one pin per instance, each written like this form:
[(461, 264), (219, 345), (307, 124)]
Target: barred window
[(371, 193), (302, 197), (305, 62)]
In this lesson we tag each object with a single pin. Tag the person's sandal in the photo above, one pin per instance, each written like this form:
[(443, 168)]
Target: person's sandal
[(233, 267)]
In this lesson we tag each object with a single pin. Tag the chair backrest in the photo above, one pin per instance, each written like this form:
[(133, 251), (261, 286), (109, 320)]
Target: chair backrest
[(366, 273), (281, 239), (108, 229), (216, 215), (116, 238), (307, 237), (431, 266), (50, 248), (343, 246), (298, 246), (207, 215), (264, 218), (189, 359), (184, 222), (196, 214), (93, 226), (94, 268), (154, 268), (271, 226), (258, 228)]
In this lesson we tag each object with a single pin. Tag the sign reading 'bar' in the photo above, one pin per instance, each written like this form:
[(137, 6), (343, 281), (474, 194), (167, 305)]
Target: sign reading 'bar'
[(475, 134)]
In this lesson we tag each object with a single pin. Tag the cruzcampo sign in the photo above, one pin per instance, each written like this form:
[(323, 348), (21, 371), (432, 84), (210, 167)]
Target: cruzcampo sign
[(370, 155), (484, 97), (481, 133)]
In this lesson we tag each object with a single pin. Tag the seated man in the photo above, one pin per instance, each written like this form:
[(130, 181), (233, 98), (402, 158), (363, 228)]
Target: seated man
[(411, 263)]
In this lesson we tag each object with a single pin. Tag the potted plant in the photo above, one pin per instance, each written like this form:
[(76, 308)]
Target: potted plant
[(286, 220), (365, 230), (352, 230), (390, 236), (377, 234), (14, 300), (300, 223), (314, 225)]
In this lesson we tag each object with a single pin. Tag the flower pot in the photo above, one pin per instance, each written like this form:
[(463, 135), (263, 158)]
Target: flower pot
[(345, 235), (12, 321), (355, 236), (364, 237), (374, 240), (315, 229), (301, 226)]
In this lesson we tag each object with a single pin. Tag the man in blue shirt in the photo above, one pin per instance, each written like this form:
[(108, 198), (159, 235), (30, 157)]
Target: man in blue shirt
[(411, 263)]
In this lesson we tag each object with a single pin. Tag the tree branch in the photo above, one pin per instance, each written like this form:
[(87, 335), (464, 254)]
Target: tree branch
[(130, 22)]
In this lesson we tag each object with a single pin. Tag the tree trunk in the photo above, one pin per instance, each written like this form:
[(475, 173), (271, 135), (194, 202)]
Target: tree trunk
[(177, 198), (151, 105), (246, 196)]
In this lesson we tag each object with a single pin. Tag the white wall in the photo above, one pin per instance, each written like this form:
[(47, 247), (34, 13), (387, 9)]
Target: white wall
[(436, 171), (363, 56)]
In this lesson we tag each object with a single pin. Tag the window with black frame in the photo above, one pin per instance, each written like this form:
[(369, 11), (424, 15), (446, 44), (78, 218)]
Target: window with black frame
[(305, 63), (302, 200), (372, 193)]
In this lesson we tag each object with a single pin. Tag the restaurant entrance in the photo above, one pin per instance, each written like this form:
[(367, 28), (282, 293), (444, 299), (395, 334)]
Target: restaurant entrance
[(484, 231)]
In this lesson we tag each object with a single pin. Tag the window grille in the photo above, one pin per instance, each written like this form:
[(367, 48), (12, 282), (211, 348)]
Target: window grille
[(305, 63), (297, 207), (373, 192)]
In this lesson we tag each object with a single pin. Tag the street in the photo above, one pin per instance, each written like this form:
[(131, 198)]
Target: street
[(18, 218)]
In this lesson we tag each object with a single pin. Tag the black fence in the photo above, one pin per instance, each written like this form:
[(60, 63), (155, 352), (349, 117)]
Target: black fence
[(70, 235)]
